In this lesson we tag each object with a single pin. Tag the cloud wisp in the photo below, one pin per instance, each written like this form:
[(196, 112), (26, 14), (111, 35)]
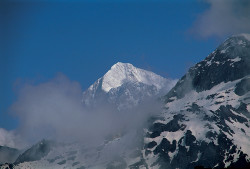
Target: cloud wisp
[(223, 18), (10, 139)]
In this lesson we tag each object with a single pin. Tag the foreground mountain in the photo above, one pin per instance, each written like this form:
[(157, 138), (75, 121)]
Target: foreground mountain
[(125, 86), (206, 116)]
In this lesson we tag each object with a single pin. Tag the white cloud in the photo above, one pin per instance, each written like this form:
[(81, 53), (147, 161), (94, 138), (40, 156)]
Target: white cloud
[(10, 139), (223, 18), (53, 110)]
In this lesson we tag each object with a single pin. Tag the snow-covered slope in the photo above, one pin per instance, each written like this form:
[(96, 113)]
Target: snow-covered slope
[(206, 120), (125, 86)]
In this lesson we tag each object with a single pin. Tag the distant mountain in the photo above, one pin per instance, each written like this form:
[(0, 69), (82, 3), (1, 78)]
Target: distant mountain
[(125, 86), (207, 117)]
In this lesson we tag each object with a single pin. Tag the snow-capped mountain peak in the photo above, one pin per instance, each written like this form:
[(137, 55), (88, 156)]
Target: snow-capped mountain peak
[(121, 73), (125, 85)]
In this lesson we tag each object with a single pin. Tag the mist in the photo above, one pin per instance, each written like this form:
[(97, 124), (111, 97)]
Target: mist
[(53, 110), (9, 138), (223, 18)]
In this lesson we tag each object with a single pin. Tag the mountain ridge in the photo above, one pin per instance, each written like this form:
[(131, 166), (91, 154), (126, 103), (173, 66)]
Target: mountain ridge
[(206, 119)]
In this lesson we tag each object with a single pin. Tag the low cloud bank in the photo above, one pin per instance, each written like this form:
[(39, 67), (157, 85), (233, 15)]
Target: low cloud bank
[(53, 110)]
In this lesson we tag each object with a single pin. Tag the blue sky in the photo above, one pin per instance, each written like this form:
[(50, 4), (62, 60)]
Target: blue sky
[(83, 39)]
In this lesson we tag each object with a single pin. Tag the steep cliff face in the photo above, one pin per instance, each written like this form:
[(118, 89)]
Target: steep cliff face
[(207, 113)]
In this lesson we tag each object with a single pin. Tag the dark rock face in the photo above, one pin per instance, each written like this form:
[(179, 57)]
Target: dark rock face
[(230, 61), (165, 145), (172, 126), (225, 113), (62, 162), (193, 153), (241, 163), (36, 152), (151, 144)]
